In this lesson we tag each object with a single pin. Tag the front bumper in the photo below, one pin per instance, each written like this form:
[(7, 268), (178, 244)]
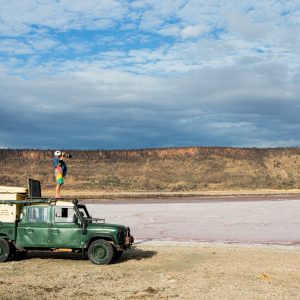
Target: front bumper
[(129, 239)]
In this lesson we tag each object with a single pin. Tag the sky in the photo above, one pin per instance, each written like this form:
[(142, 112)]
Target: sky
[(131, 74)]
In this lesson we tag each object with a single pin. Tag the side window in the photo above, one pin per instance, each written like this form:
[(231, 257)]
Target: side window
[(64, 215), (38, 214)]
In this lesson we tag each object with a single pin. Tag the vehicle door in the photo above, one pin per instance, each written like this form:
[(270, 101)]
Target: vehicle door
[(34, 230), (64, 229)]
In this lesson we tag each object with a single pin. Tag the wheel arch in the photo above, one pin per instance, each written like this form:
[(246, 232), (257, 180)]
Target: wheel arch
[(106, 237)]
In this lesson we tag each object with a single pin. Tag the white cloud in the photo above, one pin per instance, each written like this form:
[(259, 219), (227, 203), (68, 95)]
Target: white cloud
[(170, 31), (17, 17), (228, 101), (138, 4), (194, 30), (150, 21)]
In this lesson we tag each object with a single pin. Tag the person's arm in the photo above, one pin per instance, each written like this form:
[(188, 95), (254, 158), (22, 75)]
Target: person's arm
[(64, 167)]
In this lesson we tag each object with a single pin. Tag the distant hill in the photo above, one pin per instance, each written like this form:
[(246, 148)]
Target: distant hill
[(168, 169)]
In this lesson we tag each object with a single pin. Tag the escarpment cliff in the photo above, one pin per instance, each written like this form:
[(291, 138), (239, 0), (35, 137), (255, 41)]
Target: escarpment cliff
[(166, 169)]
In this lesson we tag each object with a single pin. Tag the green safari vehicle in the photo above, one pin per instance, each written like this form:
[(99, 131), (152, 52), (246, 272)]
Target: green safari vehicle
[(49, 224)]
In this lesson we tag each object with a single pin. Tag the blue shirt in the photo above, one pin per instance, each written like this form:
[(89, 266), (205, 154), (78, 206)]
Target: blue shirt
[(56, 162)]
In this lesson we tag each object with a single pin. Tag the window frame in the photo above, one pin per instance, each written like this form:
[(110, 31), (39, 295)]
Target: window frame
[(61, 219)]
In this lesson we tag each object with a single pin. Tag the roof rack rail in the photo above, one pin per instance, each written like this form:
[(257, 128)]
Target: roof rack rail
[(29, 201)]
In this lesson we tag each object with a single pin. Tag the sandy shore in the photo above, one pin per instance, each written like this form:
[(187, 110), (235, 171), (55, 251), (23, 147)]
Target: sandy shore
[(192, 199), (159, 271), (99, 196)]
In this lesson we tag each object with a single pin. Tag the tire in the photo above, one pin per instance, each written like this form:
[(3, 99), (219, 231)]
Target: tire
[(4, 250), (100, 252)]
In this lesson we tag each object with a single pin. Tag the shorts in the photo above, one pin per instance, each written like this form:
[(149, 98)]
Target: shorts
[(59, 176)]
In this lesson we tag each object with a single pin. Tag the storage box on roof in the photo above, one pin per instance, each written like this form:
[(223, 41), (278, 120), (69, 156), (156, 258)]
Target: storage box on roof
[(11, 213)]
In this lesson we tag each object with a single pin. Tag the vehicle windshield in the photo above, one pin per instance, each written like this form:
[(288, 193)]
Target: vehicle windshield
[(85, 214)]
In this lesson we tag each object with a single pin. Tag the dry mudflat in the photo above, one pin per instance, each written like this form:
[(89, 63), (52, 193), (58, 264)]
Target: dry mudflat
[(159, 271)]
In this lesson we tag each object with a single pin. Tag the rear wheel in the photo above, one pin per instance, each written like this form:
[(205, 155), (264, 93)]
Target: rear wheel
[(100, 252), (4, 250)]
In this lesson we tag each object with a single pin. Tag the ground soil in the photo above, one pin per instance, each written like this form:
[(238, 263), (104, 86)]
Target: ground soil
[(159, 271)]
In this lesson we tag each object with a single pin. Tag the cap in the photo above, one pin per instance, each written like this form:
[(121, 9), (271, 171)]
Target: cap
[(57, 153)]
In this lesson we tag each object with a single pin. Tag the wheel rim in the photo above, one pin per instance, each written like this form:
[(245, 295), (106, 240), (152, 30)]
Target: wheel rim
[(99, 253), (1, 250)]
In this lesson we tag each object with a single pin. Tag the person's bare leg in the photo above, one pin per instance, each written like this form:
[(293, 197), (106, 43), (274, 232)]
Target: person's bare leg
[(57, 191)]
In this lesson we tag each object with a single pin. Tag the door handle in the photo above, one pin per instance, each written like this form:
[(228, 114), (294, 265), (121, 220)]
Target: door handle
[(55, 230), (28, 229)]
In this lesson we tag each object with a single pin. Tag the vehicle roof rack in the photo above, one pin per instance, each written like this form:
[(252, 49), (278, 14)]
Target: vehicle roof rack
[(29, 201)]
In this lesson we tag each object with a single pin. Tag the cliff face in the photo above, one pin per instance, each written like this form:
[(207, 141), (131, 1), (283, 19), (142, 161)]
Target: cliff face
[(170, 169)]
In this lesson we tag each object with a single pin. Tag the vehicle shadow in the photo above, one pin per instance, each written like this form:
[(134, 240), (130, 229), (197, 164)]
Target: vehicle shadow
[(134, 253), (48, 255)]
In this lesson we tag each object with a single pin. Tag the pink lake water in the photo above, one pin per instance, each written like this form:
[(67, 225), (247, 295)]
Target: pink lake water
[(251, 222)]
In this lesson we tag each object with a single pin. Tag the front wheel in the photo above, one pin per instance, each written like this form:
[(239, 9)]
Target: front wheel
[(4, 250), (100, 252)]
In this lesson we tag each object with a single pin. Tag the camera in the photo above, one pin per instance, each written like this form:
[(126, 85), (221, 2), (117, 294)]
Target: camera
[(67, 155)]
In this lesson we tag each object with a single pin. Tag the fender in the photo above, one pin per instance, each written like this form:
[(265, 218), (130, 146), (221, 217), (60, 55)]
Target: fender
[(104, 236)]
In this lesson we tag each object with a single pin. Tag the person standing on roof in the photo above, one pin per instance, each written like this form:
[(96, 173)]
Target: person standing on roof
[(60, 171)]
